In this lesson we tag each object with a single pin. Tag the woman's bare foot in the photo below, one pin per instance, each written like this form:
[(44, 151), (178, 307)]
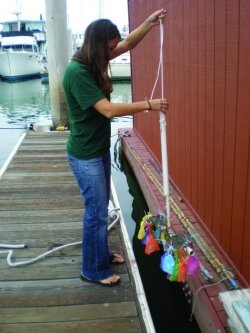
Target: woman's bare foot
[(117, 259), (111, 281)]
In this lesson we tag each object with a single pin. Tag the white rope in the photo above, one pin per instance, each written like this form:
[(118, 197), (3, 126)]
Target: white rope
[(198, 290), (160, 67), (12, 246), (113, 213)]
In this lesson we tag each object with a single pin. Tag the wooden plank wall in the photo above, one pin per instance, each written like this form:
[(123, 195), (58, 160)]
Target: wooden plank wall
[(207, 83)]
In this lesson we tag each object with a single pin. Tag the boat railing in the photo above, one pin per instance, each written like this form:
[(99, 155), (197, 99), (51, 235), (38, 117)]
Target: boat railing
[(16, 33), (22, 48)]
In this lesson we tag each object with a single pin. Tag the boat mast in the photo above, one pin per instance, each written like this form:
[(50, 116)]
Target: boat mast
[(18, 12), (101, 9)]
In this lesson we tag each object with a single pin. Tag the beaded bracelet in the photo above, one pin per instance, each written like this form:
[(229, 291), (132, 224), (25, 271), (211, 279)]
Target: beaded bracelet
[(149, 105)]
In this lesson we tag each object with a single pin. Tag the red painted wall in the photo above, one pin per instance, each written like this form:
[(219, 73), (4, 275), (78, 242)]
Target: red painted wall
[(207, 83)]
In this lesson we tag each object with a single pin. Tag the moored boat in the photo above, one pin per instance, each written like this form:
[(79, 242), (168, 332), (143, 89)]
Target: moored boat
[(22, 44), (120, 69), (19, 56)]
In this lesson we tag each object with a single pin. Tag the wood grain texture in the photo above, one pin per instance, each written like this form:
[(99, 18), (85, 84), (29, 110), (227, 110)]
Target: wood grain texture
[(40, 206)]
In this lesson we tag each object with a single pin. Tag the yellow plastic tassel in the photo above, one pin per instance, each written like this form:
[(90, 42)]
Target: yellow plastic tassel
[(163, 235), (142, 231)]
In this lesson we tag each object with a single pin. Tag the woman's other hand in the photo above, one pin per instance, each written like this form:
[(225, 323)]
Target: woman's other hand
[(155, 18)]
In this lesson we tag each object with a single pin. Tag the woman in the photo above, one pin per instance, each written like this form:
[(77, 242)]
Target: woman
[(87, 88)]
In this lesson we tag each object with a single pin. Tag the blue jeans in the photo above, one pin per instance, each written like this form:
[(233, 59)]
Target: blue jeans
[(93, 178)]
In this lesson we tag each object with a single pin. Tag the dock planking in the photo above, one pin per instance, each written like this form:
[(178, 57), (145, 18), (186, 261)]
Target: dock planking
[(40, 206)]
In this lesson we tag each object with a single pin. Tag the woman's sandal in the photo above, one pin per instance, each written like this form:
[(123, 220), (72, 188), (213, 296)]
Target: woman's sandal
[(111, 281), (117, 259)]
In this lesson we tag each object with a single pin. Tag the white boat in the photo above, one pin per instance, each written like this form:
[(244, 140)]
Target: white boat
[(120, 69), (21, 46), (19, 57)]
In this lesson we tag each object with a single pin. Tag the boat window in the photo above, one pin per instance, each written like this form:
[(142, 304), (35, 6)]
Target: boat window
[(7, 47), (17, 47), (22, 27), (27, 48)]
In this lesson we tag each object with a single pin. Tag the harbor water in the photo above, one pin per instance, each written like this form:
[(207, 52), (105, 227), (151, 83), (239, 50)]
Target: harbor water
[(28, 102)]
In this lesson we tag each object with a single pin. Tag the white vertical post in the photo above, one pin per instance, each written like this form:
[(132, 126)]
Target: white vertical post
[(164, 163), (163, 132), (57, 46)]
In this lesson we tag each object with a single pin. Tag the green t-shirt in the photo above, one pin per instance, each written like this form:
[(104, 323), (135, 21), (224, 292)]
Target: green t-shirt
[(89, 130)]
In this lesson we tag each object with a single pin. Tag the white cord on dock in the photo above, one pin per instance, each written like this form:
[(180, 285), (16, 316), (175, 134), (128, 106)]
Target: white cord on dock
[(113, 213)]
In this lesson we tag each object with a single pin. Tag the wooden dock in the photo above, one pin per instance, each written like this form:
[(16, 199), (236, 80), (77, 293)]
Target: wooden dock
[(40, 206)]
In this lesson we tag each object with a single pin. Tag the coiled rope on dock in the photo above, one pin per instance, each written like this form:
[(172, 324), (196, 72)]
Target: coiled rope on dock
[(114, 217)]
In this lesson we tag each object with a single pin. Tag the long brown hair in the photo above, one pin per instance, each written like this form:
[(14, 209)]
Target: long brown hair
[(94, 52)]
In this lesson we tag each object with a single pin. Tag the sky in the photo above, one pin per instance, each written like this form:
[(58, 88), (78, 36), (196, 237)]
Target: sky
[(80, 12)]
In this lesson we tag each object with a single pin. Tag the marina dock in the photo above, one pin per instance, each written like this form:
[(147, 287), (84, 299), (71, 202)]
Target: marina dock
[(40, 207)]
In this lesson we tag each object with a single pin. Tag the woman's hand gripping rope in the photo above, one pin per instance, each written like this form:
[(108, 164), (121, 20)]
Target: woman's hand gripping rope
[(158, 105), (155, 18)]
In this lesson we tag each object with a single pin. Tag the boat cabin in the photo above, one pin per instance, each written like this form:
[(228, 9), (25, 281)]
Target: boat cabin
[(19, 43), (34, 28)]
